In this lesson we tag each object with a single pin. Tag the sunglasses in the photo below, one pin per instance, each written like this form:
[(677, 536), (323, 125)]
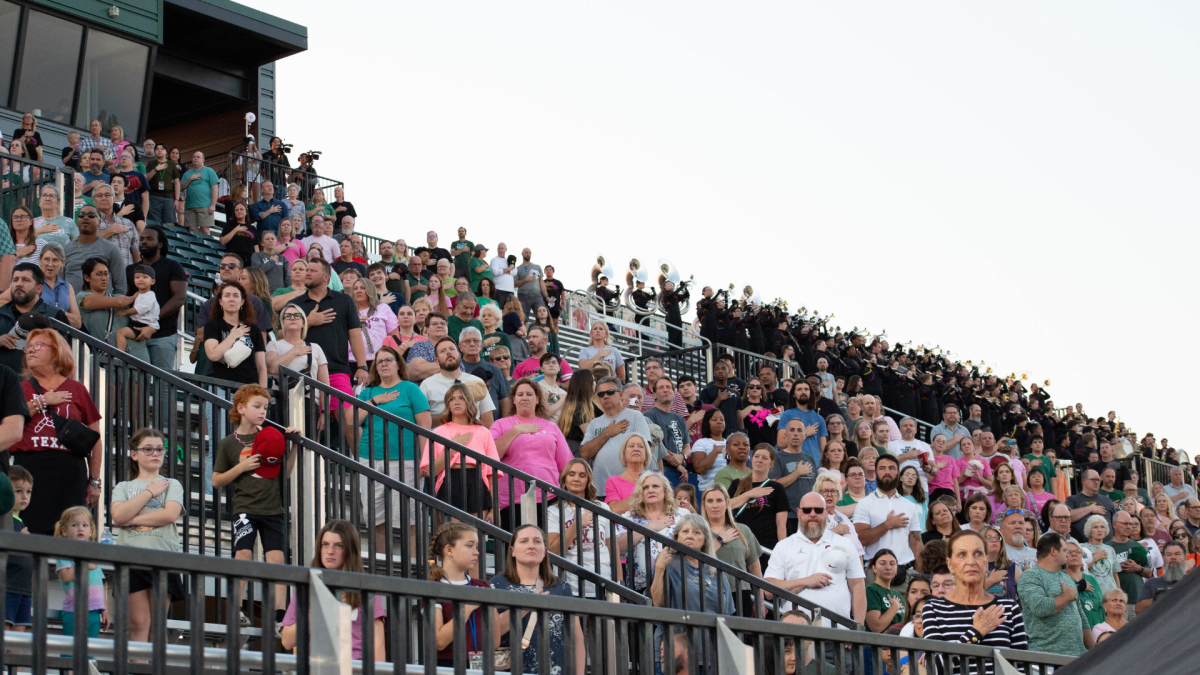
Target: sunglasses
[(229, 266), (811, 510), (606, 393)]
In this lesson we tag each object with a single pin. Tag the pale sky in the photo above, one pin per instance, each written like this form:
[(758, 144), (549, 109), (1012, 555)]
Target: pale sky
[(1013, 182)]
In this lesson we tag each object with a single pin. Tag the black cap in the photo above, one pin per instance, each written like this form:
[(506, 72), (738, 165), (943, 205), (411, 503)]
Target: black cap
[(144, 269), (29, 322)]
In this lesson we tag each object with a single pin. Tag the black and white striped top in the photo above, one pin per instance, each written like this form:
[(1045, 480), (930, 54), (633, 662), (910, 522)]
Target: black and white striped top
[(951, 622)]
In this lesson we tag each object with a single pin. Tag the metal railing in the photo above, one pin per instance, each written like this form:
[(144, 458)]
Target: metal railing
[(527, 487), (746, 364), (25, 178), (693, 362), (132, 394), (254, 169), (605, 635)]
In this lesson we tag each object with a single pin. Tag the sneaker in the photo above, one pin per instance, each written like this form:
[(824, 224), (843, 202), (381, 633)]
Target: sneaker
[(278, 631), (244, 621)]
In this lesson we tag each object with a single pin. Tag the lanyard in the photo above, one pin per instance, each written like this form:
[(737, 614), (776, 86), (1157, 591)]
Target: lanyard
[(743, 506), (470, 618)]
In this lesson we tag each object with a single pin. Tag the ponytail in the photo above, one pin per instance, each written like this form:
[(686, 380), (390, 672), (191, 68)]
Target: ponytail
[(446, 535)]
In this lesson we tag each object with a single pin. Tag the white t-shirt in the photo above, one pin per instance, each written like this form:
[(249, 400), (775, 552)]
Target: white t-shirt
[(706, 479), (146, 305), (900, 447), (375, 329), (797, 557), (589, 545), (504, 282), (874, 509), (435, 387), (300, 363)]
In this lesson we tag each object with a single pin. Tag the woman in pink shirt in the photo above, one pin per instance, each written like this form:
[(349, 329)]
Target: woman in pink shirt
[(529, 442), (471, 485), (618, 490), (286, 243)]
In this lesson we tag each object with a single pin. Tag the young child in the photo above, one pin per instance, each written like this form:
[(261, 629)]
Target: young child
[(145, 306), (76, 523), (943, 472), (145, 509), (250, 459), (685, 497), (19, 589)]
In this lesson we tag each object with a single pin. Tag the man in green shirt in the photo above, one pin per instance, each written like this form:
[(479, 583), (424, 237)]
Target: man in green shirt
[(1039, 461), (1131, 558), (418, 281), (464, 311), (199, 184), (1108, 486), (1054, 619), (462, 250)]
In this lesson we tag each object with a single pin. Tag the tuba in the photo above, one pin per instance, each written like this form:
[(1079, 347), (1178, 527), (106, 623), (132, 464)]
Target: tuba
[(638, 274)]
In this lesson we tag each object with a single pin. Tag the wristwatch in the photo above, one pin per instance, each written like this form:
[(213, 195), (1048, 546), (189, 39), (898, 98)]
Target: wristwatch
[(718, 538), (94, 482), (364, 368)]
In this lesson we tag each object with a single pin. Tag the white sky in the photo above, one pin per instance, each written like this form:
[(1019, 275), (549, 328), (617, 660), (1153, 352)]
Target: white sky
[(1014, 182)]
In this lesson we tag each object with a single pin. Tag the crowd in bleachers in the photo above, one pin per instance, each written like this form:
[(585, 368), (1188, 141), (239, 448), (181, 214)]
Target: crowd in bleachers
[(802, 480)]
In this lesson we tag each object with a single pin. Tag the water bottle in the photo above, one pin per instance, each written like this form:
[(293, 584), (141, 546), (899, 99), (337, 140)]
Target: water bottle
[(106, 536)]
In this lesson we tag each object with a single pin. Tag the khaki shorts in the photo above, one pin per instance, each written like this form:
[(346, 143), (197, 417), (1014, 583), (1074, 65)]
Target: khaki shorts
[(381, 491), (198, 218)]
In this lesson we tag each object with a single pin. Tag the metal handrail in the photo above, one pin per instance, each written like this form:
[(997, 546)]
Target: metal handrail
[(633, 634), (178, 384), (272, 171), (27, 193), (742, 360), (290, 377)]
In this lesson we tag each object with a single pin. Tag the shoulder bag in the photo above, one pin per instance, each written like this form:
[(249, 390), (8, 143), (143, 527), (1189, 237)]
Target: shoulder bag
[(73, 435)]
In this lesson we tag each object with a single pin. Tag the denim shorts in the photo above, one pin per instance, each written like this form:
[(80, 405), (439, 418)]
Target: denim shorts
[(18, 610)]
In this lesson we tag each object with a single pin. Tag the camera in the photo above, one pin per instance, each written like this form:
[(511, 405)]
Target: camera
[(313, 155)]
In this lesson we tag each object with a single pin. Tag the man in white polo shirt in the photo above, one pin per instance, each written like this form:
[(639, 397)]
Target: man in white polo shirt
[(885, 519), (819, 565)]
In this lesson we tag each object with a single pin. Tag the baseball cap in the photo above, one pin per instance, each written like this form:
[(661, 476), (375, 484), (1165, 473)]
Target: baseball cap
[(29, 322), (144, 269), (481, 247), (269, 446), (835, 563)]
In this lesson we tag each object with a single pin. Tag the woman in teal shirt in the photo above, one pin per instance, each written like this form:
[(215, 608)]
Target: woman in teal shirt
[(388, 390)]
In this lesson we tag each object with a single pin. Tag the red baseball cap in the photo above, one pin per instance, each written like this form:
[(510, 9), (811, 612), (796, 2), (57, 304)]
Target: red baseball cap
[(269, 446)]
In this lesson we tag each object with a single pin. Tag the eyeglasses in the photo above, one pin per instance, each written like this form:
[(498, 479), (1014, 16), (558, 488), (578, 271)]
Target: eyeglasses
[(20, 217), (229, 266), (856, 475), (289, 317), (809, 510), (829, 491), (385, 362), (1066, 517), (152, 450), (29, 349)]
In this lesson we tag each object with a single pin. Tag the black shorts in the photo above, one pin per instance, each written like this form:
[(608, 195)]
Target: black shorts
[(268, 528), (141, 580)]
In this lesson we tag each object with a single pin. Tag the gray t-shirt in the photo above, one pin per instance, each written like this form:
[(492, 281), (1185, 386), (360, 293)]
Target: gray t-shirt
[(165, 538), (524, 270), (1024, 557), (612, 358), (674, 427), (785, 463), (607, 462), (78, 253)]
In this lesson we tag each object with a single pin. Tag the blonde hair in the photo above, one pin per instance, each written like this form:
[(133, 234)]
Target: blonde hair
[(717, 487), (372, 295), (834, 477), (624, 445), (638, 507), (64, 521)]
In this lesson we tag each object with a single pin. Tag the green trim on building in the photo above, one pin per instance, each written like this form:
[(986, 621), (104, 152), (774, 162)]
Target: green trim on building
[(140, 18)]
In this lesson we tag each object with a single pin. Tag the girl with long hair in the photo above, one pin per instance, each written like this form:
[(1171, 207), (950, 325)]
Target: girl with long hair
[(735, 542), (471, 485), (911, 489), (761, 503), (454, 555), (339, 549), (527, 570), (571, 528), (579, 408), (231, 327)]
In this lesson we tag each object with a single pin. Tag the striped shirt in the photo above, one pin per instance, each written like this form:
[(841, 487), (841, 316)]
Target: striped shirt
[(951, 622)]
